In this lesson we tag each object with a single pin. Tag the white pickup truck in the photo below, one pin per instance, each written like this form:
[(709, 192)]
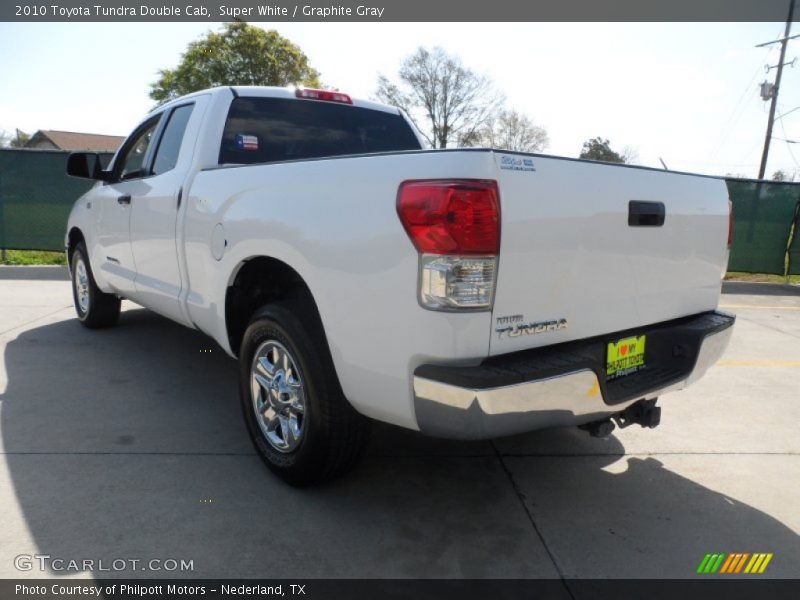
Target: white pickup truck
[(466, 293)]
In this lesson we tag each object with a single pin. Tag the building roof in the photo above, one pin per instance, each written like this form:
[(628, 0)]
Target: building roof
[(71, 140)]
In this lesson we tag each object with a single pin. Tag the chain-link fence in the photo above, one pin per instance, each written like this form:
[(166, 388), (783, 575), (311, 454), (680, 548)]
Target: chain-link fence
[(36, 196)]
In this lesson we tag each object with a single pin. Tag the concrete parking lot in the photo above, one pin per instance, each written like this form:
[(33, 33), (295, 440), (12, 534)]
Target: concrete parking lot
[(128, 444)]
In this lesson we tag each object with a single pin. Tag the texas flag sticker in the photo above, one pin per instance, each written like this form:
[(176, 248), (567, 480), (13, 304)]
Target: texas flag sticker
[(248, 143)]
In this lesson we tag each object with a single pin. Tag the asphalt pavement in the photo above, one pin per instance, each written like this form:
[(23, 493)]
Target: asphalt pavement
[(128, 444)]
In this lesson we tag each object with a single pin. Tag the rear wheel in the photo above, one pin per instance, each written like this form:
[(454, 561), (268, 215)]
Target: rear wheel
[(94, 307), (298, 419)]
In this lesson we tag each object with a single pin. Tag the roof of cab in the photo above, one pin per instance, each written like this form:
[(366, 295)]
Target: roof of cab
[(255, 91), (289, 92)]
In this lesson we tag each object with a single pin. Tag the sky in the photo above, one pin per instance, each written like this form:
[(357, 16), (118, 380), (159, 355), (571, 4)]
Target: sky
[(687, 94)]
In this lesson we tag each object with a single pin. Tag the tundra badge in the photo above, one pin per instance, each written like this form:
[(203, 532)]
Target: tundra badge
[(515, 326)]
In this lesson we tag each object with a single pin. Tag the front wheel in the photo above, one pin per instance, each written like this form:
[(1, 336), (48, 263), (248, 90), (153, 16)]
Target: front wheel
[(95, 308), (298, 419)]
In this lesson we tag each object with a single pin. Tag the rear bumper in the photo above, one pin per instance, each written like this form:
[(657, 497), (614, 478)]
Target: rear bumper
[(565, 384)]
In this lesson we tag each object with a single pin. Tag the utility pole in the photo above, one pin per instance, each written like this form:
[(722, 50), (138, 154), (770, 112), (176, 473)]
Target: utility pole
[(775, 90)]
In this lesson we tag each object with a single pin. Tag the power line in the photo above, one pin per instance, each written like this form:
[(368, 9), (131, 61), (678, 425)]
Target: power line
[(789, 146), (738, 110), (788, 112)]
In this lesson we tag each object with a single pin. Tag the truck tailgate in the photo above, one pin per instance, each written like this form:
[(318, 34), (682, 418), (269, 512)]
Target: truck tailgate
[(571, 266)]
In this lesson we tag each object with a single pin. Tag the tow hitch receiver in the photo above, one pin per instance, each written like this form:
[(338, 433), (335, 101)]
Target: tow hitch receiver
[(644, 412)]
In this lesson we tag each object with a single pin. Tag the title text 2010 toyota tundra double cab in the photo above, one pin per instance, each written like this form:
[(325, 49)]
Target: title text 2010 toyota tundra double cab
[(463, 293)]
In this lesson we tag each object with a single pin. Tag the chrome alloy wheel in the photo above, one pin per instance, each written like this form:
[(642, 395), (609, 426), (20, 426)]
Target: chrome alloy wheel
[(278, 396), (82, 285)]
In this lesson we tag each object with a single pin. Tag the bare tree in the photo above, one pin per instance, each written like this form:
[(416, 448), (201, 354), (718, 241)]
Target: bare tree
[(447, 101), (630, 155), (510, 130)]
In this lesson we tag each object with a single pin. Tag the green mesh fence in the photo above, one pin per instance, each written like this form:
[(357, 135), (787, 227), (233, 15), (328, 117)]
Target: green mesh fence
[(765, 212), (36, 196)]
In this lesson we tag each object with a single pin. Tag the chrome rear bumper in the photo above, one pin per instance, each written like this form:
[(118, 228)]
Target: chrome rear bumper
[(452, 409)]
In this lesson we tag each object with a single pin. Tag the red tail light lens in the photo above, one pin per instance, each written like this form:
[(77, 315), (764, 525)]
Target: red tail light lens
[(455, 217), (326, 95), (730, 223)]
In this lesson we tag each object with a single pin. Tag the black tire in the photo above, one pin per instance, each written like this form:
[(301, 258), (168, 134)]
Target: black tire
[(101, 309), (333, 433)]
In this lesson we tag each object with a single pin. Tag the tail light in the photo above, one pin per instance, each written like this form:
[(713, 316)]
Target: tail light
[(455, 226), (730, 223), (326, 95)]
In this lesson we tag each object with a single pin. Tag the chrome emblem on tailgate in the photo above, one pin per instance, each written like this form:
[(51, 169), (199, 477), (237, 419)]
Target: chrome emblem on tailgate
[(515, 326), (516, 163)]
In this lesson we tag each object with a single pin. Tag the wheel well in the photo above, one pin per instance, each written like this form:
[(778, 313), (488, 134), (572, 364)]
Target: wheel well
[(259, 281), (75, 236)]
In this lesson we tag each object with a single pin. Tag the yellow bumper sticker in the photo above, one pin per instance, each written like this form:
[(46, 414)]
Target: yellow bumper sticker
[(625, 356)]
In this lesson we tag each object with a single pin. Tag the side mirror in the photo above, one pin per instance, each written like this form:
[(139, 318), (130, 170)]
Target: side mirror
[(87, 165)]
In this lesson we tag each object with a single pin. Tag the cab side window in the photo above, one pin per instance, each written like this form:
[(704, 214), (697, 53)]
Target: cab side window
[(170, 144), (132, 161)]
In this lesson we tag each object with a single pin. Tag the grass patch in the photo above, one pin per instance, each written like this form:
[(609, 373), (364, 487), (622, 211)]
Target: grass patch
[(34, 257), (761, 278)]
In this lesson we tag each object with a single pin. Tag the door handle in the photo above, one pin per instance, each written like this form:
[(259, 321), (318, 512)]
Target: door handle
[(124, 199)]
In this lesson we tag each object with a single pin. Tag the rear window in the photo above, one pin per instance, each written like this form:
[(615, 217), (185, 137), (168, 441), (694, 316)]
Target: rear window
[(260, 130)]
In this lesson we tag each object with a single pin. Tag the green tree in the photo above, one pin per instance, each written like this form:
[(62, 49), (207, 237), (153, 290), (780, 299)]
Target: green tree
[(780, 176), (448, 102), (599, 149), (20, 139), (240, 54)]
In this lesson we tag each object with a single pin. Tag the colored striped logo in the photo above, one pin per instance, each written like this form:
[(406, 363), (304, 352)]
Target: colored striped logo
[(739, 562)]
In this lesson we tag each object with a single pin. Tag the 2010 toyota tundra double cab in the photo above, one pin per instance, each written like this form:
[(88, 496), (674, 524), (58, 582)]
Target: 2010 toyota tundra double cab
[(466, 293)]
